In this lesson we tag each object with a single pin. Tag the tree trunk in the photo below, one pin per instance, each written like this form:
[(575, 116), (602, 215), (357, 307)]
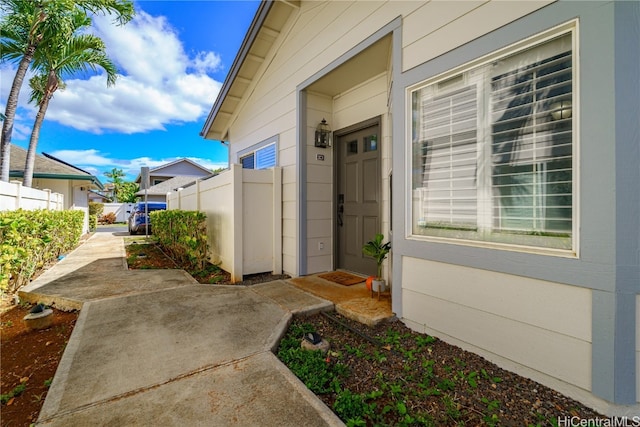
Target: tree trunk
[(10, 112), (33, 142)]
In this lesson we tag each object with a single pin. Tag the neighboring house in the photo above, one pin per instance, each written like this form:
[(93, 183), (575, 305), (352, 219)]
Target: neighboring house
[(511, 132), (98, 197), (180, 167), (158, 192), (58, 176)]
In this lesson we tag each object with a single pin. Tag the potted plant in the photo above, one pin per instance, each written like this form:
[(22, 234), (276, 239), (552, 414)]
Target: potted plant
[(377, 250)]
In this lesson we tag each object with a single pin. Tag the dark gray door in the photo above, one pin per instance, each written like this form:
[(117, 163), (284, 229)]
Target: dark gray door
[(358, 197)]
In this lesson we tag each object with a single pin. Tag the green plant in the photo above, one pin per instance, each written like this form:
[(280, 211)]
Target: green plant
[(96, 208), (353, 408), (17, 391), (312, 367), (424, 340), (31, 239), (491, 416), (183, 235), (93, 222), (451, 407), (376, 249)]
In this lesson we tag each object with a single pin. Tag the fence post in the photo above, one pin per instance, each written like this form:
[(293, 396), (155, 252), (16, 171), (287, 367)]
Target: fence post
[(198, 195), (277, 220), (18, 185), (46, 190), (238, 224)]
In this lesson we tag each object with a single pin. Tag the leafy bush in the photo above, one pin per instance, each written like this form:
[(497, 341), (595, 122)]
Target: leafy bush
[(310, 366), (93, 222), (109, 218), (183, 234), (96, 208), (31, 239)]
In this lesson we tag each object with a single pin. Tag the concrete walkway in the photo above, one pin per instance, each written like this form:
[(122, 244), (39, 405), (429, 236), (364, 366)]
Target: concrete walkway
[(154, 347)]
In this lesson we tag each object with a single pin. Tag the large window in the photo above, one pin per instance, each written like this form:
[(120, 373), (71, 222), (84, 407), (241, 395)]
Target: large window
[(493, 149)]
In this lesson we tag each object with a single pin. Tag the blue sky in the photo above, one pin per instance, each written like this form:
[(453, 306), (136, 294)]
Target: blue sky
[(172, 60)]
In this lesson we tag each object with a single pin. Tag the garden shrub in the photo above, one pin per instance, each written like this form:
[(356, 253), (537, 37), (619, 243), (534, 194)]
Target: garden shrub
[(96, 208), (93, 222), (31, 239), (183, 234), (109, 218)]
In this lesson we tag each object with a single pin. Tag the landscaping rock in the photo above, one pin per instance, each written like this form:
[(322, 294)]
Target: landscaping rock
[(39, 320), (322, 345)]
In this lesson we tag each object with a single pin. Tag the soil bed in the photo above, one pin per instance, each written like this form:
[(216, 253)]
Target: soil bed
[(149, 255), (29, 360), (390, 375)]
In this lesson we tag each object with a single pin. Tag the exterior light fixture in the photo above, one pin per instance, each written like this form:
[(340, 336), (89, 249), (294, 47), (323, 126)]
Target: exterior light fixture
[(561, 110), (323, 135)]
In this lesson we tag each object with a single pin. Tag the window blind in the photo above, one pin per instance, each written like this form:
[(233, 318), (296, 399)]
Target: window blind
[(266, 157), (248, 161), (449, 132), (532, 146)]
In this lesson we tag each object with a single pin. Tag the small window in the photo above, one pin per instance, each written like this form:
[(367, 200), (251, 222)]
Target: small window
[(352, 148), (260, 156), (266, 157), (371, 143), (248, 162), (493, 150)]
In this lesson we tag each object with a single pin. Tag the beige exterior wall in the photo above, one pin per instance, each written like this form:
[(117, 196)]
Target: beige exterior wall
[(437, 27), (63, 187), (511, 320), (303, 48)]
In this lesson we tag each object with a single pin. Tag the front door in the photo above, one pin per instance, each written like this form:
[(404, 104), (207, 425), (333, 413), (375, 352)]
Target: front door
[(358, 197)]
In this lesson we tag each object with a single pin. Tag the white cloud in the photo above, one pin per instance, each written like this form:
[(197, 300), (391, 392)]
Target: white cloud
[(206, 61), (158, 82)]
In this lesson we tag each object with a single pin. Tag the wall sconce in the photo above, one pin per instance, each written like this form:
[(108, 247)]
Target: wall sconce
[(561, 110), (323, 135)]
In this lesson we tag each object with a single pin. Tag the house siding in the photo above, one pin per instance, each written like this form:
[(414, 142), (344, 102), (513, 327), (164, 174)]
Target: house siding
[(552, 318), (271, 110), (539, 322), (597, 282), (179, 168)]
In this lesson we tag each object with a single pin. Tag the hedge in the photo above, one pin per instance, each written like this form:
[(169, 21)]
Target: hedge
[(31, 239), (183, 234)]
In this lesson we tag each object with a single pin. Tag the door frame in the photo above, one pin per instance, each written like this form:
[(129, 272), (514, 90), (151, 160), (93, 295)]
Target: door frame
[(375, 121)]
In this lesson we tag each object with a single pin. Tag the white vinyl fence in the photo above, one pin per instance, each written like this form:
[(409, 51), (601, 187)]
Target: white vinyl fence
[(122, 210), (244, 218), (14, 196)]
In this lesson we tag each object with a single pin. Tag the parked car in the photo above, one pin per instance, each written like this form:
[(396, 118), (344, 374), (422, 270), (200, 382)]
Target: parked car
[(138, 220)]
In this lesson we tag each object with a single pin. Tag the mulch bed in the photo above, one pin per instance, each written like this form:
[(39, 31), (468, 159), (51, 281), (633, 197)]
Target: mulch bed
[(413, 379)]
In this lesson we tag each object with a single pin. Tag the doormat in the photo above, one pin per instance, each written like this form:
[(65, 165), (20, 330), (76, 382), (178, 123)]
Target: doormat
[(342, 278)]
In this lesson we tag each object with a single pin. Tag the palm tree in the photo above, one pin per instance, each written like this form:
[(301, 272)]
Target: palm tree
[(58, 56), (116, 176), (24, 26)]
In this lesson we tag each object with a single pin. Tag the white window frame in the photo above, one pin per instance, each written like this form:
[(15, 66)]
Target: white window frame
[(466, 69), (257, 148)]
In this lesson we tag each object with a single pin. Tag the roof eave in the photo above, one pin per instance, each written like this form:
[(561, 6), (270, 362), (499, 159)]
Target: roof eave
[(91, 178), (249, 39)]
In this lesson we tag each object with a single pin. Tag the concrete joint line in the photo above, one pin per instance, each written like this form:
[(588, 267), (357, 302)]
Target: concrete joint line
[(151, 387)]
